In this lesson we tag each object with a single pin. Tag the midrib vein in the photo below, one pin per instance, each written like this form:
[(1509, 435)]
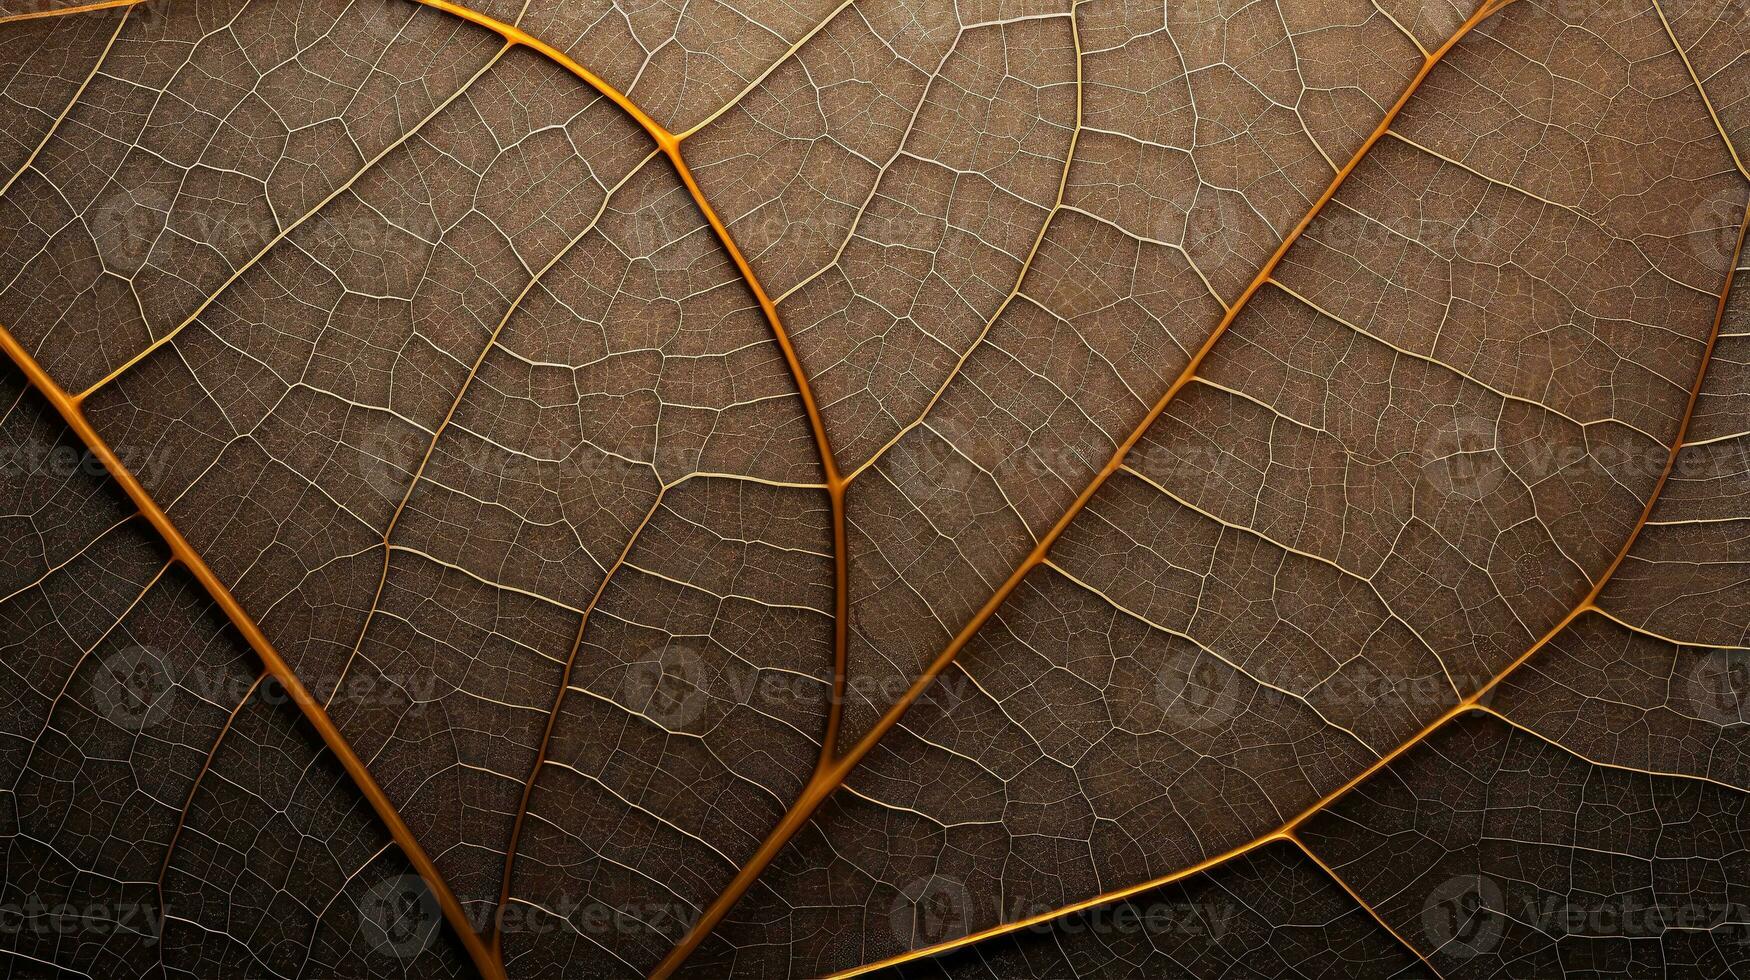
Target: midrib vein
[(69, 407), (183, 552), (835, 482), (1289, 831), (826, 783), (833, 769)]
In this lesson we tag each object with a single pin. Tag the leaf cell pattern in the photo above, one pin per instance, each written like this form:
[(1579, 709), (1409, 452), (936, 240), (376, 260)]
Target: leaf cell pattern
[(1015, 488)]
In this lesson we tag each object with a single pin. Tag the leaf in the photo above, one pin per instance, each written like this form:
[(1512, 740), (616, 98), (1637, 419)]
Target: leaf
[(1008, 489)]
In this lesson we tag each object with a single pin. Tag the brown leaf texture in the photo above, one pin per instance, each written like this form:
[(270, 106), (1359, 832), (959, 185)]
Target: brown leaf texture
[(1017, 488)]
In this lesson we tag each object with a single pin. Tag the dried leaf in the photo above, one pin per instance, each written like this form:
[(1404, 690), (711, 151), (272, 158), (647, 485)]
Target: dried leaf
[(1022, 488)]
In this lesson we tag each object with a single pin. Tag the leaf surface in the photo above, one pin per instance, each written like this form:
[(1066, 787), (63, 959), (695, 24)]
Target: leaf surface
[(607, 490)]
